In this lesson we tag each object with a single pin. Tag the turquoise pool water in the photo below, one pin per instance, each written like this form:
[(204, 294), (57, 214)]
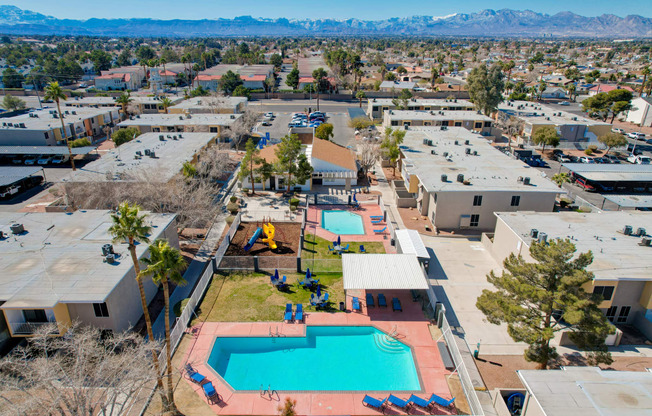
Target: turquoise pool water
[(342, 222), (329, 358)]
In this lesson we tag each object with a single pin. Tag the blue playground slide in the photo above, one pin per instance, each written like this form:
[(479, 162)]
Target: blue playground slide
[(253, 239)]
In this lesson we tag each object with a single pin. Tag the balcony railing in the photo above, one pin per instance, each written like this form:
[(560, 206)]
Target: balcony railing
[(30, 328)]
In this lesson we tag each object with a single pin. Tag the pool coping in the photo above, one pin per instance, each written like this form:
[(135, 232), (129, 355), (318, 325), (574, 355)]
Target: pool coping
[(305, 326), (321, 223)]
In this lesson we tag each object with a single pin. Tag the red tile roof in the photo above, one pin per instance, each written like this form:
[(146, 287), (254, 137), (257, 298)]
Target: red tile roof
[(609, 87)]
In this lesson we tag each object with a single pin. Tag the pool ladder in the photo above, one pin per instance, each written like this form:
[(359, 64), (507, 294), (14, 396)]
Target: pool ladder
[(274, 334), (393, 333), (267, 392)]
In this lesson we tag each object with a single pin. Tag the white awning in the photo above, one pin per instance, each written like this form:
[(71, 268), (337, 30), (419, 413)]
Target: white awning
[(382, 271), (411, 243)]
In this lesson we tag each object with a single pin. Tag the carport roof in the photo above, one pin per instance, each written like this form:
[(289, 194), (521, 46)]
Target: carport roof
[(382, 271), (13, 174), (44, 150), (602, 172), (411, 243)]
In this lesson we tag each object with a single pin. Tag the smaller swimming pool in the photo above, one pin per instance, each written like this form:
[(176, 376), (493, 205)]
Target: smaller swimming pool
[(342, 222)]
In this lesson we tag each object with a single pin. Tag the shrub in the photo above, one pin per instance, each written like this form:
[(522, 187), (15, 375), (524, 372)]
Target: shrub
[(180, 306), (294, 201), (360, 123), (229, 220), (125, 135), (232, 208), (588, 151), (80, 143), (593, 147), (245, 191), (233, 198)]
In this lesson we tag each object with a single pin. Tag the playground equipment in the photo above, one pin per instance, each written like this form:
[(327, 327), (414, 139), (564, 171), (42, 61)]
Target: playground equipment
[(269, 231)]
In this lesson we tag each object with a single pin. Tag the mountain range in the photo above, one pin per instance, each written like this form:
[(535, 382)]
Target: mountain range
[(504, 22)]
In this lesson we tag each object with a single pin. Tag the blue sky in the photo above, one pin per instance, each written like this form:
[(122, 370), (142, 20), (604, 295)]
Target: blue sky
[(363, 9)]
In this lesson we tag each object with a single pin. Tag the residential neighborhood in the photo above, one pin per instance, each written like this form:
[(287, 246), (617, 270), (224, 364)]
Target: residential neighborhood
[(438, 210)]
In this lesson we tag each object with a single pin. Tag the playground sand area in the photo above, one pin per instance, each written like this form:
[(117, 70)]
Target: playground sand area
[(287, 238)]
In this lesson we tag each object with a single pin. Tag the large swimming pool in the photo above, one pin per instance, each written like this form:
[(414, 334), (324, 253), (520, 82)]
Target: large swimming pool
[(342, 222), (328, 358)]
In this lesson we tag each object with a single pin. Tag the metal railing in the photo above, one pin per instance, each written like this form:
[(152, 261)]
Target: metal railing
[(29, 328)]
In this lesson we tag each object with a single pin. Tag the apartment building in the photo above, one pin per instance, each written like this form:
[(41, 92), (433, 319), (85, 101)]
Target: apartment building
[(641, 112), (253, 76), (63, 267), (123, 78), (139, 104), (43, 127), (570, 127), (168, 123), (458, 180), (210, 105), (621, 247), (376, 107), (470, 120)]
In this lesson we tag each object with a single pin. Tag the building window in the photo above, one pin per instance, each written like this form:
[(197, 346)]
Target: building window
[(605, 291), (478, 125), (458, 124), (101, 311), (35, 315), (611, 313), (394, 122), (487, 123), (475, 220), (477, 200), (516, 200), (213, 129), (624, 313)]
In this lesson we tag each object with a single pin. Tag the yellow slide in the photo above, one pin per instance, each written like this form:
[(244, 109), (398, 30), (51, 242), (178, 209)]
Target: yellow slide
[(268, 229)]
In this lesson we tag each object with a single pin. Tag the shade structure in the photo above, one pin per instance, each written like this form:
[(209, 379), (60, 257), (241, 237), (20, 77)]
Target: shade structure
[(382, 271)]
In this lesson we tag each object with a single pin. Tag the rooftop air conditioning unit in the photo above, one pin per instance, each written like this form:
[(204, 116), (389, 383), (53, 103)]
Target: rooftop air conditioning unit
[(456, 142), (433, 152), (109, 258), (445, 154), (444, 178), (425, 141), (475, 153), (460, 177), (137, 115), (534, 233), (646, 241), (232, 117), (174, 137), (542, 238), (429, 142), (152, 154), (147, 152), (17, 228), (466, 142), (107, 249), (467, 151), (180, 117), (526, 180), (161, 137), (22, 126), (74, 113), (627, 230), (640, 231)]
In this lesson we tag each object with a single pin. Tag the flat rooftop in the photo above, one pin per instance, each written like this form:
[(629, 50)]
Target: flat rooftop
[(44, 150), (589, 391), (630, 201), (121, 164), (171, 120), (489, 170), (59, 257), (139, 99), (437, 115), (210, 102), (425, 101), (242, 70), (12, 174), (616, 256), (616, 172), (44, 120), (535, 113)]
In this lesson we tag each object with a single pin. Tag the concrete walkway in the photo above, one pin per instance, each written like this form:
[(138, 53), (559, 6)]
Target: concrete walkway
[(193, 273), (388, 197)]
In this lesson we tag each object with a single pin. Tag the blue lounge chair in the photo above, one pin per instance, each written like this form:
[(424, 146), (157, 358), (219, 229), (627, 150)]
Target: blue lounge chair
[(193, 375), (330, 248), (313, 299), (325, 299), (373, 402), (400, 403), (370, 300), (362, 250), (382, 302), (396, 305), (375, 217), (441, 401), (211, 393), (418, 401), (355, 304), (288, 312), (345, 248), (380, 231), (376, 221), (298, 316), (273, 280)]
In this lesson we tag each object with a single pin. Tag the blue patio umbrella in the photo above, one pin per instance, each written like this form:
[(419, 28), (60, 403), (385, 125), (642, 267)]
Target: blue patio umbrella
[(354, 198), (308, 275), (339, 243), (318, 292), (275, 274)]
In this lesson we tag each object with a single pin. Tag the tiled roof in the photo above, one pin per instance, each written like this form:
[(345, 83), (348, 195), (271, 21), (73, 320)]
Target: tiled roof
[(334, 154)]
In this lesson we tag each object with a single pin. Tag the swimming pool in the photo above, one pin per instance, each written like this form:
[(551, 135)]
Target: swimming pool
[(342, 222), (328, 358)]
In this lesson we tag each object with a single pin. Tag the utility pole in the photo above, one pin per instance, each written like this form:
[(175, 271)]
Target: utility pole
[(37, 96)]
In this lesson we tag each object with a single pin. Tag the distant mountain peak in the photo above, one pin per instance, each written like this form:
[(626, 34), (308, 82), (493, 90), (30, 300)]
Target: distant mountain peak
[(488, 22)]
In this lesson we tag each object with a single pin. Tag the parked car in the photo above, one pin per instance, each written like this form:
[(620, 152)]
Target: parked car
[(8, 192), (44, 160), (601, 160), (562, 158), (266, 123), (582, 183), (617, 130), (636, 135), (564, 103), (632, 148), (57, 160), (31, 160), (586, 159), (612, 159), (17, 160), (297, 124), (269, 115), (639, 160)]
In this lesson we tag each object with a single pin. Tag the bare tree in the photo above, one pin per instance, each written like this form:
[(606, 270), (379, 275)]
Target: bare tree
[(510, 125), (369, 154), (241, 130), (218, 103), (84, 372)]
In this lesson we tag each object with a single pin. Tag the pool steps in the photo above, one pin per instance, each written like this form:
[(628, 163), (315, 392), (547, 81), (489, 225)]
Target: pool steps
[(388, 344)]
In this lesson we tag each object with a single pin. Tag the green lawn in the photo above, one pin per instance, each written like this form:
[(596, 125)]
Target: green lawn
[(250, 297), (316, 256)]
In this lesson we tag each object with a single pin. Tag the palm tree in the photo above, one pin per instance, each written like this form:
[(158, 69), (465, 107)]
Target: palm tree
[(129, 225), (164, 265), (361, 96), (571, 90), (163, 61), (166, 102), (645, 72), (124, 99), (54, 92), (204, 58), (561, 178)]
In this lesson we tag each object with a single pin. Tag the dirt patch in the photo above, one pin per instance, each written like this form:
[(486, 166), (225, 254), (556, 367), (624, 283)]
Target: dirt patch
[(392, 174), (287, 239)]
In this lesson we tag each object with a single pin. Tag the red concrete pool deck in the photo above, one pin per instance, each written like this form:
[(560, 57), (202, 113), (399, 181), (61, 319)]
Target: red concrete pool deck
[(410, 326), (313, 225)]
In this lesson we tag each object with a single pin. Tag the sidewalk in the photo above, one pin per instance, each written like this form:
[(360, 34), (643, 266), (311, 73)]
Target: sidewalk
[(388, 198), (193, 273)]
